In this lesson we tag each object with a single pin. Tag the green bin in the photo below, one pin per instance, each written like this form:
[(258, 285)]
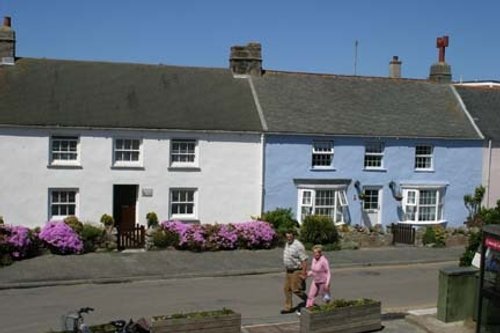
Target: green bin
[(457, 293)]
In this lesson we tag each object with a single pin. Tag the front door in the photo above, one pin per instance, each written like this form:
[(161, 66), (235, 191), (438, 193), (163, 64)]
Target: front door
[(371, 206), (124, 206)]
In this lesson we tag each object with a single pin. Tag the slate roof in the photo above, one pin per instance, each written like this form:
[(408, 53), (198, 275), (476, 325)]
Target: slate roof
[(41, 92), (360, 106), (483, 104)]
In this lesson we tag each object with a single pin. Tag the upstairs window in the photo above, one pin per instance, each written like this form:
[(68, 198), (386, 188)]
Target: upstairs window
[(322, 154), (423, 157), (64, 150), (183, 153), (62, 203), (127, 152), (374, 154)]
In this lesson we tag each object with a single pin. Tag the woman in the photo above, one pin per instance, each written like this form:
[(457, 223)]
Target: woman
[(320, 271)]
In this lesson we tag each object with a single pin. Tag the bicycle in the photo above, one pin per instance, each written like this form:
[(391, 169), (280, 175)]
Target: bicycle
[(75, 323)]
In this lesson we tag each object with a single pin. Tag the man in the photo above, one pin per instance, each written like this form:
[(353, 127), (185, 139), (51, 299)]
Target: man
[(295, 260)]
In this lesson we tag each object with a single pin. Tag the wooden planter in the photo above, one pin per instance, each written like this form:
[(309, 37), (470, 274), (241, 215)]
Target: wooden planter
[(227, 323), (351, 319)]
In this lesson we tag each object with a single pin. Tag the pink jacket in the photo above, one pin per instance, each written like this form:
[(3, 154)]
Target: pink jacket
[(320, 270)]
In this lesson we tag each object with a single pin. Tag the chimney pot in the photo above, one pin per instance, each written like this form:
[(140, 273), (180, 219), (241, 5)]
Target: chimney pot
[(395, 68), (7, 21), (246, 59)]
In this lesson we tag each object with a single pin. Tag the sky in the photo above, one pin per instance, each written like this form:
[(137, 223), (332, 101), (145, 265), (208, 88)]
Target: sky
[(316, 36)]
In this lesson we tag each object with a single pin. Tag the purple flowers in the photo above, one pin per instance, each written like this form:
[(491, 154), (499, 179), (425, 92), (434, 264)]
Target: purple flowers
[(201, 237), (60, 238)]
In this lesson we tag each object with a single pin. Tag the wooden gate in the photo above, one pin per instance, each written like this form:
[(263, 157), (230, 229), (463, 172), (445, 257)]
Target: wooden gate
[(403, 234), (132, 238)]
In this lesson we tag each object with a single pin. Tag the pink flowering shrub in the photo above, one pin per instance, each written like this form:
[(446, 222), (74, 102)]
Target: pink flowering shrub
[(17, 242), (203, 237), (60, 238)]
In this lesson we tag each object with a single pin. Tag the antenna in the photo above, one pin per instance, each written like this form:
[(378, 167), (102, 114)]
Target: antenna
[(355, 57)]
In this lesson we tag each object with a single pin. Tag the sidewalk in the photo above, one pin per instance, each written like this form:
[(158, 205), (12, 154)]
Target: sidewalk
[(51, 270)]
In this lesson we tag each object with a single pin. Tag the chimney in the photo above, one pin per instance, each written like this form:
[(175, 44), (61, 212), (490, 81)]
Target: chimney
[(7, 43), (441, 71), (246, 59), (395, 68)]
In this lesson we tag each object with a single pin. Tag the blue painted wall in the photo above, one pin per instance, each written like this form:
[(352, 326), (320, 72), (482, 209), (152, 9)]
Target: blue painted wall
[(457, 163)]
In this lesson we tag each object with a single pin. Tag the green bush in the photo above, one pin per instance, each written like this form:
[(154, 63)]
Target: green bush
[(74, 223), (107, 220), (92, 237), (472, 245), (281, 219), (434, 236), (152, 219), (318, 229), (164, 238)]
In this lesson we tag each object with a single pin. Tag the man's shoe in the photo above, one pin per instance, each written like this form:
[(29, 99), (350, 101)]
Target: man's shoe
[(286, 311)]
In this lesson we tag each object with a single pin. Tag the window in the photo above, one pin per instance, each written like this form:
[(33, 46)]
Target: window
[(183, 153), (127, 152), (64, 150), (423, 157), (423, 205), (322, 154), (370, 200), (182, 203), (62, 203), (374, 153), (327, 202)]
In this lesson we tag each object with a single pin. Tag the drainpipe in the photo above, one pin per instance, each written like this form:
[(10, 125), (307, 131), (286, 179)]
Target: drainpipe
[(263, 172), (488, 175)]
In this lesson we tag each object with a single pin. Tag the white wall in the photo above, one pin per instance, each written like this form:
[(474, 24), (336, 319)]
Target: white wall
[(228, 182), (491, 175)]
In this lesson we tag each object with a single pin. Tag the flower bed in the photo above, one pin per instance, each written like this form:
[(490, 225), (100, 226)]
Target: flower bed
[(342, 316), (218, 321)]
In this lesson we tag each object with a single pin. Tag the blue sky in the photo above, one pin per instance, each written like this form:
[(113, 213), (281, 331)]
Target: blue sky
[(303, 36)]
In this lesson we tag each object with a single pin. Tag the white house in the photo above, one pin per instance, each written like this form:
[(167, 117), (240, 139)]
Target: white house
[(89, 138)]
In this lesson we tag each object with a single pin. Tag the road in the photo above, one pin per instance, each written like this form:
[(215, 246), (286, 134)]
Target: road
[(257, 297)]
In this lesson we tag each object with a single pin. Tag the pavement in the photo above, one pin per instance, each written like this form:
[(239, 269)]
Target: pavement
[(129, 266)]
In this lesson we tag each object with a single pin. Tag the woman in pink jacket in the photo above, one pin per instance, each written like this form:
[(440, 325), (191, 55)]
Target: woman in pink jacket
[(320, 271)]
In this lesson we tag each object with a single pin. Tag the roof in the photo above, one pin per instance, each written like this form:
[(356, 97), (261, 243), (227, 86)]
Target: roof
[(483, 104), (360, 106), (41, 92)]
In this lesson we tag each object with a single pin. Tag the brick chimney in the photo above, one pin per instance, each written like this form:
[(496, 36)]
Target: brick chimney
[(441, 71), (7, 43), (246, 59), (395, 68)]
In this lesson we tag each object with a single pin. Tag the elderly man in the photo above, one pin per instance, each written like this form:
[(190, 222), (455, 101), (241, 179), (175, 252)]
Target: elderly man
[(295, 260)]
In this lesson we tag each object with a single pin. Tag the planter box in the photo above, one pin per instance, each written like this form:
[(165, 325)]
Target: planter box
[(228, 323), (350, 319)]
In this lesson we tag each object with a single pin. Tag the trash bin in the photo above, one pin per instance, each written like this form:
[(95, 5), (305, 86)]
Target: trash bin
[(457, 293)]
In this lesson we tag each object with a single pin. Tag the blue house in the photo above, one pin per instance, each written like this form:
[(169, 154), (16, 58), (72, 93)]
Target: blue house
[(366, 150)]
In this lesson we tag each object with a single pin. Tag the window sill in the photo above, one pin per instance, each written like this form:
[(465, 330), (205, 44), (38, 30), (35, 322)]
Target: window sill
[(375, 169), (127, 167), (424, 170), (64, 166), (185, 220), (322, 169), (422, 223), (184, 168)]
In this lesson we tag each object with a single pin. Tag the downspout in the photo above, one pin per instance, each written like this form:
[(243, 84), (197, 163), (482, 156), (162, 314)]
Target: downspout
[(488, 175), (262, 142)]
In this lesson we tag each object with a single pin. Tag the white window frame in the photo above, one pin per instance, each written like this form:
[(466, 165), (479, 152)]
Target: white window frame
[(183, 216), (426, 156), (68, 139), (183, 153), (413, 208), (127, 163), (376, 154), (307, 203), (322, 149), (60, 204)]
